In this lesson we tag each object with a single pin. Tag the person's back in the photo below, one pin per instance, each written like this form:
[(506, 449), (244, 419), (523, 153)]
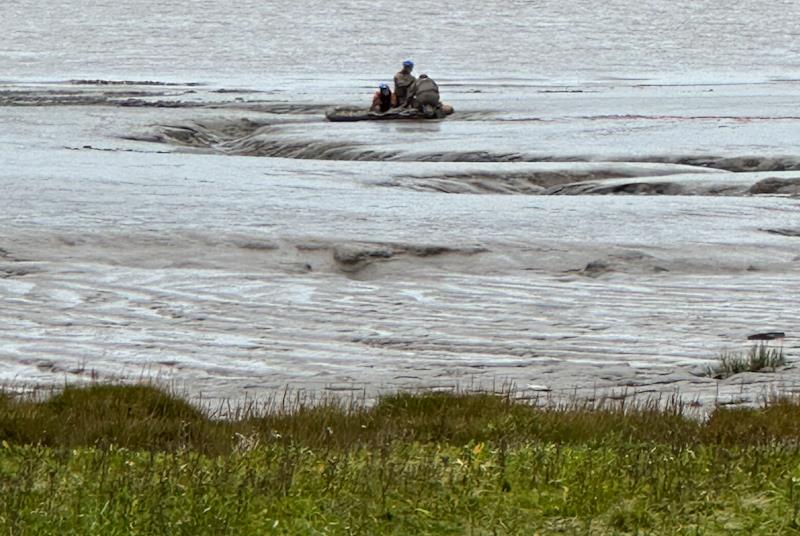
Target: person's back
[(424, 92), (403, 81)]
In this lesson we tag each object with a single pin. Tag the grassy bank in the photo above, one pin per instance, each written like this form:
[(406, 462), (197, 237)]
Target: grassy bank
[(135, 460)]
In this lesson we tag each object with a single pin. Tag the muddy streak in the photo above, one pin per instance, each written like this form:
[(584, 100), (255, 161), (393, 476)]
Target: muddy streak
[(247, 138), (153, 95), (534, 182), (774, 185), (101, 82), (682, 185)]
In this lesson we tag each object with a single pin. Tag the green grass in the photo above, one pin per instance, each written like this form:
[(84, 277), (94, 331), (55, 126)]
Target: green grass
[(138, 460), (758, 358)]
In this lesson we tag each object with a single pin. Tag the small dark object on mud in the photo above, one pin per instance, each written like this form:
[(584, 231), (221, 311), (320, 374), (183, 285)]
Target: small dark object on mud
[(767, 336), (597, 268)]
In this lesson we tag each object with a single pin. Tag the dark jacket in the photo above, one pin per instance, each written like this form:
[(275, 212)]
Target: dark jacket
[(382, 102)]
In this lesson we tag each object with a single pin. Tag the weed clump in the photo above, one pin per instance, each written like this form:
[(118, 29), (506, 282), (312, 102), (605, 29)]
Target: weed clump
[(758, 358), (130, 416)]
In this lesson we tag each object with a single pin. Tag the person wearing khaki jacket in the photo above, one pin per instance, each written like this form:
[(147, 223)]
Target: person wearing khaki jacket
[(403, 80), (424, 92)]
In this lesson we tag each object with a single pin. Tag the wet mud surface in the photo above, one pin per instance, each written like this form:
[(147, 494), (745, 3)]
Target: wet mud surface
[(232, 241)]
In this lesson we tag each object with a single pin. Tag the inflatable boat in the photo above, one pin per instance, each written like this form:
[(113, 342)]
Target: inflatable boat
[(346, 114)]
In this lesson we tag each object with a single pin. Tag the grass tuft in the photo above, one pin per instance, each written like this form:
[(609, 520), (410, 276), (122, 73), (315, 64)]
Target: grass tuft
[(758, 358), (131, 416)]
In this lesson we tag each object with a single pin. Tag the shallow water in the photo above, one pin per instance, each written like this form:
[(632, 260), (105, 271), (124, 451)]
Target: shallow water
[(211, 228), (208, 40)]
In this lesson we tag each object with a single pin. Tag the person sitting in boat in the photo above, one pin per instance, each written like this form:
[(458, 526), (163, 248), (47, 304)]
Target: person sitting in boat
[(423, 94), (383, 100), (403, 80)]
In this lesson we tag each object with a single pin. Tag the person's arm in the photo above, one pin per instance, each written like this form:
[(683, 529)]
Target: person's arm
[(376, 103), (412, 90)]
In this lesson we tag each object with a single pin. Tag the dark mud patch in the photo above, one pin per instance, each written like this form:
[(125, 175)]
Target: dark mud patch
[(258, 145), (517, 183), (277, 108), (151, 95), (9, 272), (795, 233), (225, 91), (354, 259), (722, 184), (735, 164), (100, 82), (257, 245), (628, 188), (597, 268), (626, 261), (112, 150), (544, 182), (199, 135), (244, 137), (774, 185), (78, 98), (10, 257), (358, 260)]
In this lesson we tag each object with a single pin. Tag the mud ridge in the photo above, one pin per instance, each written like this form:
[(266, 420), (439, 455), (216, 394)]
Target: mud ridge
[(774, 185), (100, 82), (149, 95), (784, 232), (76, 98), (627, 188), (231, 139), (248, 138), (734, 164), (626, 261), (354, 258), (544, 182)]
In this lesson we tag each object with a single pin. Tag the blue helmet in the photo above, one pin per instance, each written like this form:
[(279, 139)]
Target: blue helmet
[(383, 86), (408, 63)]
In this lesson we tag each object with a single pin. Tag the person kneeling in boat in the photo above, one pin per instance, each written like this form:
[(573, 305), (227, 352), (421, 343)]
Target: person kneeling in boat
[(383, 100), (403, 81), (423, 95)]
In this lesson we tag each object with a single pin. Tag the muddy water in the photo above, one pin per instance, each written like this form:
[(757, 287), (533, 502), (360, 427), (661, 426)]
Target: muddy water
[(255, 39), (210, 228)]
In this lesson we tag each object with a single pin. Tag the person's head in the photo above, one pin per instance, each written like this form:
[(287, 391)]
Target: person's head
[(408, 66), (384, 88)]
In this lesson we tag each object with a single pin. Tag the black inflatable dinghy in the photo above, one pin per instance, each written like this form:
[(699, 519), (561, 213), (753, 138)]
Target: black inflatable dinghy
[(347, 114)]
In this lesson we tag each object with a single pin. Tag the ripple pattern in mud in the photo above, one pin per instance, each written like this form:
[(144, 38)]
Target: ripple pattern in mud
[(224, 333)]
